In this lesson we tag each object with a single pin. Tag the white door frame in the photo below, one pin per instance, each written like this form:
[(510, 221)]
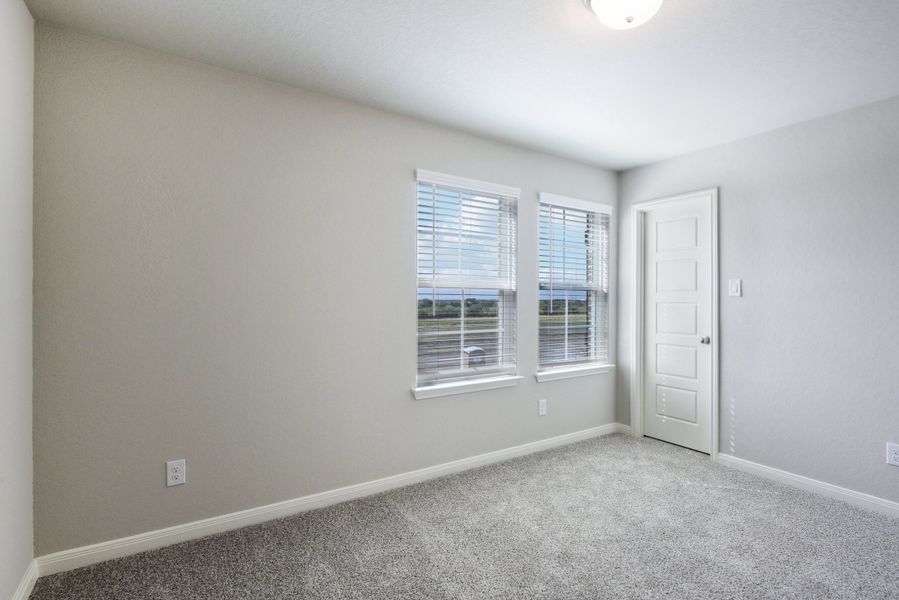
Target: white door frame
[(638, 212)]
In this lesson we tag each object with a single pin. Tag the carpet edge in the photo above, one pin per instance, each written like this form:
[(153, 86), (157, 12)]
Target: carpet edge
[(860, 499), (74, 558)]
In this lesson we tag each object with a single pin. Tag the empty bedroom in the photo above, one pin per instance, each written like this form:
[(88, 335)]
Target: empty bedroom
[(407, 299)]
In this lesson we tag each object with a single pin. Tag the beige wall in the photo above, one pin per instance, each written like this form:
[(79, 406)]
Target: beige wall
[(16, 126), (809, 219), (225, 273)]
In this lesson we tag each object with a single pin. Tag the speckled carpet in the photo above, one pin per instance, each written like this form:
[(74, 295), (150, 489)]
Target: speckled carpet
[(612, 517)]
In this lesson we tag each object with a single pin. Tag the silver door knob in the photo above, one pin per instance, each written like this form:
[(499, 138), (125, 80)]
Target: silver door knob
[(705, 340)]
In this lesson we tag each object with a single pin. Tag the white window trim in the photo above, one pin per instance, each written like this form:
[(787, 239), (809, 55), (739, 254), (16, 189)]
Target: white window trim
[(583, 370), (554, 373), (465, 387), (475, 383), (567, 202), (453, 181)]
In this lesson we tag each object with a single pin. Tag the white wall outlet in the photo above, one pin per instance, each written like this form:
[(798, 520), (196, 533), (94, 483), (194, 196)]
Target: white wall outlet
[(541, 407), (175, 472), (735, 288), (893, 454)]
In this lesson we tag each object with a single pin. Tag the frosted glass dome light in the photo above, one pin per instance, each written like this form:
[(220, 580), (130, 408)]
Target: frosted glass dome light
[(624, 14)]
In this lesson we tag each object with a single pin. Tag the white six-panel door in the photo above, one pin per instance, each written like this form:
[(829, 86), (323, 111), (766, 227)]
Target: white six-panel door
[(677, 321)]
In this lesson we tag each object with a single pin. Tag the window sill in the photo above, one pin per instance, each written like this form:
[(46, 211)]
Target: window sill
[(465, 387), (569, 372)]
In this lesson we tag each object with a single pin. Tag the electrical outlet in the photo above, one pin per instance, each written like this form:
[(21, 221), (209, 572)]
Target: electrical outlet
[(893, 454), (541, 407), (175, 472)]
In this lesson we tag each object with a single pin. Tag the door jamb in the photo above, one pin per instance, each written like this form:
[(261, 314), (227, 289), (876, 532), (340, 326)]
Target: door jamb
[(638, 213)]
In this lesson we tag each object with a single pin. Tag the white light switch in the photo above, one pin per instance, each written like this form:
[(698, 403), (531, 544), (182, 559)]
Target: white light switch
[(735, 287)]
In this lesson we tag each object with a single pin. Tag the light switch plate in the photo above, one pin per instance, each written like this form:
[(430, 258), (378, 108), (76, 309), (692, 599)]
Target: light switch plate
[(735, 287)]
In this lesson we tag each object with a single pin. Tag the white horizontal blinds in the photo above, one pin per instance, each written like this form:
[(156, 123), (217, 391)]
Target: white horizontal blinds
[(466, 282), (574, 285)]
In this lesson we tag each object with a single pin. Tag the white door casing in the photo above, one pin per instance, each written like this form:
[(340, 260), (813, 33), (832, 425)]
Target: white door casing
[(677, 320)]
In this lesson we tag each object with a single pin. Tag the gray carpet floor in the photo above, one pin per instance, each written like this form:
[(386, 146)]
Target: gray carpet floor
[(612, 517)]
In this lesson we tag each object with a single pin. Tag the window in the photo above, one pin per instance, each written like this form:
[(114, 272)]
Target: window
[(467, 233), (574, 282)]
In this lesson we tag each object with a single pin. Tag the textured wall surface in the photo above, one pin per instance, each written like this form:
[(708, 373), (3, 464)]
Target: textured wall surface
[(809, 217), (225, 272), (16, 119)]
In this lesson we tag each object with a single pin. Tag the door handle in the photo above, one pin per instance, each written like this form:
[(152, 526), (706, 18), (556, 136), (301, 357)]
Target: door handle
[(705, 340)]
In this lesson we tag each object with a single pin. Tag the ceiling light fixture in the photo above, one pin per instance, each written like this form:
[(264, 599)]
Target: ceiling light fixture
[(624, 14)]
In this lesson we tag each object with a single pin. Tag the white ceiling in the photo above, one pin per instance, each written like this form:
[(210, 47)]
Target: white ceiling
[(541, 73)]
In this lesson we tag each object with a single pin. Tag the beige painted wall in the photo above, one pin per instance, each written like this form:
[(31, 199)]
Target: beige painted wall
[(225, 273), (16, 127), (809, 217)]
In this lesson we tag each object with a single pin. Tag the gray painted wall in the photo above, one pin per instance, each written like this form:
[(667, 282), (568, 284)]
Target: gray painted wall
[(224, 272), (16, 127), (809, 219)]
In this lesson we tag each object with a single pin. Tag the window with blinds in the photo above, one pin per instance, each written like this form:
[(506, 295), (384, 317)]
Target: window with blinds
[(573, 282), (467, 232)]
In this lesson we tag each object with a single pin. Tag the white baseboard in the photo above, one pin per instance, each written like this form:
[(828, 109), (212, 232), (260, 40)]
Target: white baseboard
[(67, 560), (27, 584), (830, 490)]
